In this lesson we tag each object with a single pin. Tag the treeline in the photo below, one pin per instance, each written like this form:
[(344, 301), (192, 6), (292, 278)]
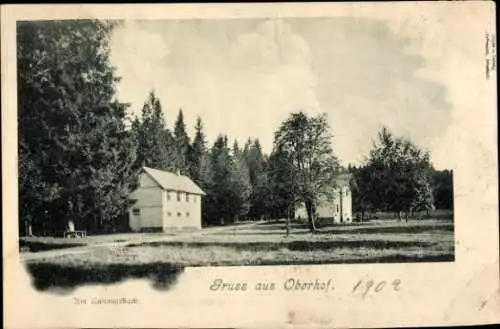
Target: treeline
[(399, 177), (232, 176), (78, 159)]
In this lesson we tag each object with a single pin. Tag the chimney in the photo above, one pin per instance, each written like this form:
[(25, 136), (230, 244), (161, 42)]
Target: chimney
[(178, 172)]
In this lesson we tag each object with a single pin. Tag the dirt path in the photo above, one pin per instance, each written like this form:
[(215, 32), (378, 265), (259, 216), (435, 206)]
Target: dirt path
[(29, 256)]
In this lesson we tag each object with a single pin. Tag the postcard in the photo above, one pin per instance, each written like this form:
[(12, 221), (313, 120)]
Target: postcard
[(250, 165)]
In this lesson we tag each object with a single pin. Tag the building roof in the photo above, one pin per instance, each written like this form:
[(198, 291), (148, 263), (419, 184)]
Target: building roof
[(172, 181), (345, 179)]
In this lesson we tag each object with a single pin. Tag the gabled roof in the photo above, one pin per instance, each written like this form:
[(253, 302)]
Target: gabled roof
[(172, 181)]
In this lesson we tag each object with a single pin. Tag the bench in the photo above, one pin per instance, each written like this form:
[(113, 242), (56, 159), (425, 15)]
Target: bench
[(75, 234)]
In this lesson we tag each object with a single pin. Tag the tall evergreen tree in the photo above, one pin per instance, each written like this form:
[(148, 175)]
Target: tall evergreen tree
[(227, 187), (155, 147), (255, 161), (247, 146), (218, 203), (259, 200), (241, 187), (76, 158), (282, 197), (198, 153), (442, 182), (236, 149), (362, 194), (182, 144)]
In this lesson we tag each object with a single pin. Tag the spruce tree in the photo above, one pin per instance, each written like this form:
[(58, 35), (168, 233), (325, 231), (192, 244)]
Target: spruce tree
[(182, 144), (255, 161), (198, 152), (76, 157), (281, 192), (155, 143), (219, 205), (241, 188)]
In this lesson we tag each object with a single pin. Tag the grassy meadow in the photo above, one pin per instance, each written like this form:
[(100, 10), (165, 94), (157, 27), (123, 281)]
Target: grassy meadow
[(161, 257)]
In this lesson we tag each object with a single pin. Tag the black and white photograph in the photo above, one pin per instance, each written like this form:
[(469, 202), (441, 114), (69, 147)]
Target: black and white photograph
[(146, 147), (226, 142)]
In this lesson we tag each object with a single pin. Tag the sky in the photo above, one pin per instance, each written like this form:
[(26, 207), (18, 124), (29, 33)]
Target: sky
[(243, 77)]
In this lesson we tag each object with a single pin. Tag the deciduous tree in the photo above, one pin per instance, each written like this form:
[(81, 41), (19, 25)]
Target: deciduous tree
[(307, 143), (399, 175)]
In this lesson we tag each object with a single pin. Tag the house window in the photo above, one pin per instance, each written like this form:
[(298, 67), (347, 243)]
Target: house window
[(346, 192), (337, 208), (187, 197), (136, 211), (168, 196), (178, 196), (187, 214), (169, 213), (194, 198), (178, 214)]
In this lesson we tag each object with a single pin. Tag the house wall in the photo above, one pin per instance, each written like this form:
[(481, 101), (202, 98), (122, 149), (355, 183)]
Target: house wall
[(324, 209), (181, 213), (149, 203), (331, 208), (301, 212), (348, 206), (342, 203)]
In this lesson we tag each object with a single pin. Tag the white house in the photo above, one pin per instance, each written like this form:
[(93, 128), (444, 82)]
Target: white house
[(165, 201), (338, 208)]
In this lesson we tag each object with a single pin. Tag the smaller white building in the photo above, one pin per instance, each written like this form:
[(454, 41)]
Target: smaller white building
[(338, 208), (165, 201)]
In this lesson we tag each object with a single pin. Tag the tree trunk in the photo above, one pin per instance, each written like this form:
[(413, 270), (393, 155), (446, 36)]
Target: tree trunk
[(362, 215), (310, 216), (288, 222), (400, 216), (406, 216)]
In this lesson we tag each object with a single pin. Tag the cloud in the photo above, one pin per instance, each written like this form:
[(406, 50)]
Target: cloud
[(243, 77), (368, 77), (272, 76), (243, 88), (137, 56)]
